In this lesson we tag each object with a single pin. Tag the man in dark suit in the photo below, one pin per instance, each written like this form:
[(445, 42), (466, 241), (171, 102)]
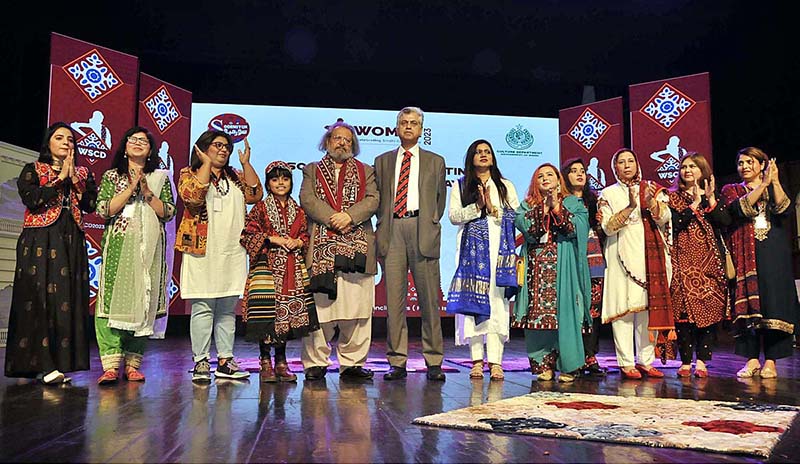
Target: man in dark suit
[(412, 189)]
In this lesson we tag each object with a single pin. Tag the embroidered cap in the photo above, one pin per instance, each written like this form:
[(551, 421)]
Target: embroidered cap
[(275, 165)]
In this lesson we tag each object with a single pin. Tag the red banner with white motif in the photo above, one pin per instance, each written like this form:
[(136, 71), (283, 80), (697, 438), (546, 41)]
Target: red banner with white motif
[(93, 89), (592, 132), (165, 110), (670, 118)]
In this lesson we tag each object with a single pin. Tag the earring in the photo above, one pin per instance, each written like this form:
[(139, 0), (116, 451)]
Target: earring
[(125, 155)]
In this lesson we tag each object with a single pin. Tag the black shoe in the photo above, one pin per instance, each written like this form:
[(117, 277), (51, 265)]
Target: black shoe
[(356, 372), (435, 373), (595, 370), (395, 373), (315, 373)]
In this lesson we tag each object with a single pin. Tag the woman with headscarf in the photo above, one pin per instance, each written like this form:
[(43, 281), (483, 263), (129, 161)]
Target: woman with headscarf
[(636, 299)]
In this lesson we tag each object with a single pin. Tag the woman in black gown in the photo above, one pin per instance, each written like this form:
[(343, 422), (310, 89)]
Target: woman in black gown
[(765, 299), (47, 330)]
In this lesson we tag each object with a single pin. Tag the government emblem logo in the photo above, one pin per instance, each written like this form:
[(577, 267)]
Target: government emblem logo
[(162, 109), (588, 130), (519, 138), (93, 75), (667, 106)]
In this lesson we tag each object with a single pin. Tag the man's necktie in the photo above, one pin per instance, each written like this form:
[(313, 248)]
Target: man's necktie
[(401, 195)]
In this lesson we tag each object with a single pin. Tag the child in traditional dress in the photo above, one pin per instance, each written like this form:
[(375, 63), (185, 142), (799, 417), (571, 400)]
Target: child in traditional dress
[(278, 305)]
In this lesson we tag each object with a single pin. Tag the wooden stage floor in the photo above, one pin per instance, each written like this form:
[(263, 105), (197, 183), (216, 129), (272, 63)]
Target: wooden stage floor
[(169, 419)]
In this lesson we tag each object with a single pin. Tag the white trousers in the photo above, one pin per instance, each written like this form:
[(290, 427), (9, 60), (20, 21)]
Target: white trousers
[(494, 348), (355, 337), (631, 338)]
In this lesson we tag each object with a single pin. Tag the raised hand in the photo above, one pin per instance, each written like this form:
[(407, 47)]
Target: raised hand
[(710, 187), (487, 198), (697, 197), (481, 202), (632, 198), (204, 158), (244, 156), (650, 193)]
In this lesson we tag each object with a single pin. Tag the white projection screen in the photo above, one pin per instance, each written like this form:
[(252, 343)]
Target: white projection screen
[(292, 134)]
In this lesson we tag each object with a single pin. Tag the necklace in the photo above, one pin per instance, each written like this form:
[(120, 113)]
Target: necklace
[(222, 190)]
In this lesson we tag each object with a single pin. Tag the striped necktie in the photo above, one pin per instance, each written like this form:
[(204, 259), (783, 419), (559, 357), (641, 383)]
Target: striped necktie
[(401, 195)]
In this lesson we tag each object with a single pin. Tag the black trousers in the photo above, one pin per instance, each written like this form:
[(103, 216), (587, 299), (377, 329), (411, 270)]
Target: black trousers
[(693, 339), (776, 344)]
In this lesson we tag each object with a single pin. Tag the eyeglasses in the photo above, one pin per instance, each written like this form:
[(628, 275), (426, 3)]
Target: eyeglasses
[(220, 146), (408, 123), (138, 141), (340, 138)]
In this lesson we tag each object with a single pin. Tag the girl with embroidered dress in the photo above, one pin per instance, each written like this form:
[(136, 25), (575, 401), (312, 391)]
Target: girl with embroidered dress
[(47, 329), (636, 300), (214, 267), (574, 174), (699, 288), (277, 304), (554, 304), (136, 201), (765, 299), (482, 205)]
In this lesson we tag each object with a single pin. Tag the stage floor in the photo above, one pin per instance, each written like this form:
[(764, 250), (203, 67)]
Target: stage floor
[(170, 419)]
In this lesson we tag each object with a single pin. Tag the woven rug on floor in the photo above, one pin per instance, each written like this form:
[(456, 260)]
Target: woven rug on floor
[(718, 426), (374, 364)]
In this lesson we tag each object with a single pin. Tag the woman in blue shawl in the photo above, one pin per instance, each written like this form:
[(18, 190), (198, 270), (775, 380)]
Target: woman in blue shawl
[(482, 205), (554, 304)]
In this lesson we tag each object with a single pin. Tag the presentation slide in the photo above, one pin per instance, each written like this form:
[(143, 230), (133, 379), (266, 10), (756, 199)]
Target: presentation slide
[(292, 134)]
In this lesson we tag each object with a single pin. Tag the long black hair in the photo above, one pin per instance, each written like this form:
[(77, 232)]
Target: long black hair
[(280, 172), (589, 197), (45, 155), (469, 191), (203, 142), (120, 161)]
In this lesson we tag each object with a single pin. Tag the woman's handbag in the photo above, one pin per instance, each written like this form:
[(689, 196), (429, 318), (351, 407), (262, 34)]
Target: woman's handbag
[(520, 271), (730, 269)]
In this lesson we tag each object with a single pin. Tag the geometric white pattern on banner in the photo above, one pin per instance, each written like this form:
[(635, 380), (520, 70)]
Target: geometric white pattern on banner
[(588, 129), (92, 74), (667, 106), (95, 261), (162, 109)]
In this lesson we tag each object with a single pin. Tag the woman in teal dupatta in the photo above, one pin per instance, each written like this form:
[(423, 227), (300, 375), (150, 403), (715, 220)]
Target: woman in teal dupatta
[(554, 304)]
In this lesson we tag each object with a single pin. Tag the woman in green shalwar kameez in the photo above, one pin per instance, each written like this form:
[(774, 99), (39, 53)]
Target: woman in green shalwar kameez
[(133, 276), (554, 303)]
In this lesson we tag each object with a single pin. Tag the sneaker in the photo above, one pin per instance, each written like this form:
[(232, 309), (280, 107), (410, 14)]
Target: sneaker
[(230, 370), (202, 371)]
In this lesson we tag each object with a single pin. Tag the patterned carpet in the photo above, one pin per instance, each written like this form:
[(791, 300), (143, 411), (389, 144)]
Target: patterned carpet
[(718, 426)]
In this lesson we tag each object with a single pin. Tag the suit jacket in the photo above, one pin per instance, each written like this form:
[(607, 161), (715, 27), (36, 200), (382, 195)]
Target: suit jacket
[(318, 211), (432, 199)]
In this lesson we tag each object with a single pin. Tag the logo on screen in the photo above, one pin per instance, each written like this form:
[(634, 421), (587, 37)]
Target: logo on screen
[(232, 124), (667, 106), (162, 109), (588, 129), (519, 138), (93, 75)]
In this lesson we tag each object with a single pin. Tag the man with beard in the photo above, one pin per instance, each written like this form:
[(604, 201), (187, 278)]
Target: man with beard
[(413, 194), (339, 196)]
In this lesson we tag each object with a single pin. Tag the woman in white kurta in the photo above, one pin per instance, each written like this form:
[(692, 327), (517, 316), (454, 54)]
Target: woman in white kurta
[(627, 305), (483, 197)]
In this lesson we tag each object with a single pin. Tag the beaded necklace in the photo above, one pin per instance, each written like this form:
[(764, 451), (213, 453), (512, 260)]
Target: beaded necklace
[(222, 190)]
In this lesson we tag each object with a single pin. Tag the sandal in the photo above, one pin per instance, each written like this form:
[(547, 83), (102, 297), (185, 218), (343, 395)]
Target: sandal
[(133, 375), (767, 373), (685, 372), (630, 373), (748, 372), (701, 373), (566, 378), (496, 372), (545, 375), (110, 376), (477, 370)]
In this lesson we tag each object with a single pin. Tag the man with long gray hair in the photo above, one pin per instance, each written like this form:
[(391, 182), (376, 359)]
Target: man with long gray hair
[(339, 196)]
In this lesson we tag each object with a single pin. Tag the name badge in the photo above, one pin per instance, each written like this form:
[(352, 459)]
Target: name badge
[(761, 221), (217, 204)]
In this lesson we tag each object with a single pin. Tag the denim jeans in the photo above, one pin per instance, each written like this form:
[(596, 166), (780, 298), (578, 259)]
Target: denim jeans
[(217, 314)]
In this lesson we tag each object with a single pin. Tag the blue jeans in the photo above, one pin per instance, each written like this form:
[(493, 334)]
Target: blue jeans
[(217, 314)]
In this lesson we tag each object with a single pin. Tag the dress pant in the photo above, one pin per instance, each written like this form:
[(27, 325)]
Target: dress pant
[(355, 337), (631, 338), (404, 255)]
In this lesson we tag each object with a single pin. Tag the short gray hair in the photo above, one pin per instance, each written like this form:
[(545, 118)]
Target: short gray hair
[(412, 109), (323, 143)]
